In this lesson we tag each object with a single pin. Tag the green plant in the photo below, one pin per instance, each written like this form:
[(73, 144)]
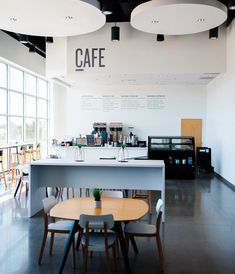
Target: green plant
[(123, 146), (97, 194)]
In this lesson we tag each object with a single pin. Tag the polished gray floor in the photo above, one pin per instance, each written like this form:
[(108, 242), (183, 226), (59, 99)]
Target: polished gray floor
[(198, 236)]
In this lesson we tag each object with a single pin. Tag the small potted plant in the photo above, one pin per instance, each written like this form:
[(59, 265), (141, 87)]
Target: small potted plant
[(97, 197)]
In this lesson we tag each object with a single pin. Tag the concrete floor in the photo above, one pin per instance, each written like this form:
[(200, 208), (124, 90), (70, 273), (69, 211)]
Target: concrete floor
[(198, 236)]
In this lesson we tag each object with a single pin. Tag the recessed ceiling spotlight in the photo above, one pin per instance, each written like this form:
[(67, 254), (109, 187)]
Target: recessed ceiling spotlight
[(69, 17), (107, 7), (213, 33), (155, 21), (201, 20), (231, 4), (13, 19)]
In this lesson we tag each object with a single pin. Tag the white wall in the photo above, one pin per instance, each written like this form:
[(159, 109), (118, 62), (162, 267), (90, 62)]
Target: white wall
[(221, 115), (181, 102), (13, 51), (58, 111)]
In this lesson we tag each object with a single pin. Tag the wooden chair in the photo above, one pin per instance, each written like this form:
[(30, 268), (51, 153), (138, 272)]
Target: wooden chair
[(24, 178), (61, 226), (143, 194), (2, 169), (113, 194), (140, 229), (24, 157), (13, 164), (97, 237)]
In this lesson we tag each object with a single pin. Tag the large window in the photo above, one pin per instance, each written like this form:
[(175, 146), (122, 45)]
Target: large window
[(24, 111)]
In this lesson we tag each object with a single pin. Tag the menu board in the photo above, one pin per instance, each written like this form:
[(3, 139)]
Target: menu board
[(111, 102)]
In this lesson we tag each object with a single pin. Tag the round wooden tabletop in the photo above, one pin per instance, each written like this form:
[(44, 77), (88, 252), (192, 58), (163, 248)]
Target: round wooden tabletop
[(123, 209)]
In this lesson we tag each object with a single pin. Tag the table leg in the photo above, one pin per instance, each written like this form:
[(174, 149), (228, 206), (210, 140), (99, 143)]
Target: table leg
[(134, 244), (68, 245), (119, 231), (17, 188)]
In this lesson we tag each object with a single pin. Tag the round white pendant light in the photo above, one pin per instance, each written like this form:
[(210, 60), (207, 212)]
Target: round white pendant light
[(177, 17), (51, 17)]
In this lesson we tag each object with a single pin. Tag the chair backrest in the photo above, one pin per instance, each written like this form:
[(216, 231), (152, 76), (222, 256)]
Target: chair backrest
[(112, 193), (159, 206), (48, 203), (96, 222), (1, 153)]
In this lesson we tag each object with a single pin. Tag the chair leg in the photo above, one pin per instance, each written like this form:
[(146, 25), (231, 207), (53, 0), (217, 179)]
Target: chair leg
[(12, 176), (150, 201), (21, 186), (114, 249), (127, 242), (3, 175), (67, 193), (117, 248), (27, 189), (160, 251), (42, 247), (134, 244), (79, 239), (85, 258), (107, 260), (51, 243), (74, 254), (73, 192)]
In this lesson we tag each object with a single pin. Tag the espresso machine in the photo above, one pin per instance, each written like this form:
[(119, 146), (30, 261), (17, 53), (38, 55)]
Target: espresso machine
[(100, 133), (116, 132)]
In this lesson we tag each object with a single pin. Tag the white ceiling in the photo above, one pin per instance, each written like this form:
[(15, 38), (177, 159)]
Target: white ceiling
[(177, 17), (51, 17), (93, 79)]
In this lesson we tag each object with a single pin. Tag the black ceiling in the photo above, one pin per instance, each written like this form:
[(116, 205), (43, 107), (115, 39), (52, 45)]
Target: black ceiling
[(121, 13)]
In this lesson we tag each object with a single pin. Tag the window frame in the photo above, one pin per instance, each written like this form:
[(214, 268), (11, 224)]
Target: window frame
[(26, 94)]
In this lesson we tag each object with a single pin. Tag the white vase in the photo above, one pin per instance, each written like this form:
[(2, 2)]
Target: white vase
[(97, 204)]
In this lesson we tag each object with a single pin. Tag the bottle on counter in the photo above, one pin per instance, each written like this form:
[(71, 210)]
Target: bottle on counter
[(123, 154), (79, 153)]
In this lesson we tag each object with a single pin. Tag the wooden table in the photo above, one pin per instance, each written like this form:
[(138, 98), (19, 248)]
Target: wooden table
[(122, 209), (110, 174)]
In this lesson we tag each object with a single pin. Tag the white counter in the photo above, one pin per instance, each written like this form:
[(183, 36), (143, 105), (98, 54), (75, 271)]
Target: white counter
[(134, 174), (92, 153)]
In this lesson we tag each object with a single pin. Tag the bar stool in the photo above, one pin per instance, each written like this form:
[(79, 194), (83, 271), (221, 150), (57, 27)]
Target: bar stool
[(2, 167), (13, 164), (25, 156), (29, 154), (37, 152)]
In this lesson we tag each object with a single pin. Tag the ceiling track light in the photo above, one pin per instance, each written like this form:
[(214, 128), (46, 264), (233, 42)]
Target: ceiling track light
[(49, 40), (231, 4), (213, 33), (107, 7), (23, 38), (115, 33), (32, 48), (160, 38)]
